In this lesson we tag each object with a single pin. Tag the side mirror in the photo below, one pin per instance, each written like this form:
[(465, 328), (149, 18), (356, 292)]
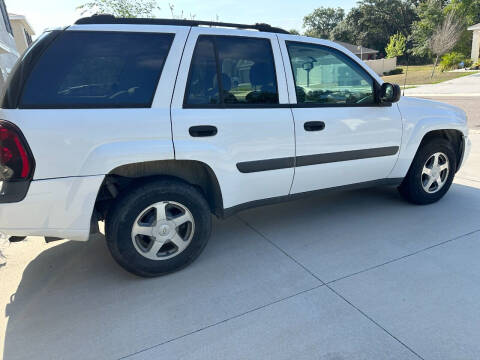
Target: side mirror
[(390, 93)]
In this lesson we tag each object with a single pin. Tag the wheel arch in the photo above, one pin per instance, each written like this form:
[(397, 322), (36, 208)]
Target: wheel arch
[(455, 137), (415, 138), (126, 176)]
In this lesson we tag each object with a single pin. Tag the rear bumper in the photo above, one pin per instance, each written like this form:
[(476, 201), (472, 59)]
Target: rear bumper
[(56, 208)]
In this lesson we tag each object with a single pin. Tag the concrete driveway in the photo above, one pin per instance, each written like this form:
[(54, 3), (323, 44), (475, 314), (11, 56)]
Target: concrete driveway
[(352, 275), (463, 92)]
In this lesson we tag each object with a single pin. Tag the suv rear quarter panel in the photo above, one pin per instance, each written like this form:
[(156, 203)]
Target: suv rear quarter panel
[(84, 142), (75, 148)]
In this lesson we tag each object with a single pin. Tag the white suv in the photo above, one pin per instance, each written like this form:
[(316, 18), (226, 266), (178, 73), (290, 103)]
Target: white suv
[(153, 125)]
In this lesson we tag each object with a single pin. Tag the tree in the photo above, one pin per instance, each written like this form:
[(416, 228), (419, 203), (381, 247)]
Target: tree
[(372, 22), (446, 36), (294, 32), (470, 11), (322, 21), (396, 46), (430, 14), (121, 8)]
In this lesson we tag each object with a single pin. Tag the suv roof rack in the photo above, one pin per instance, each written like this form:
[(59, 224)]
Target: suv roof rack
[(110, 19)]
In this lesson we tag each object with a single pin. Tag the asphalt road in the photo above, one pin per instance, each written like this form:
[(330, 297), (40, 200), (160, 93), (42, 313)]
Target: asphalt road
[(469, 104)]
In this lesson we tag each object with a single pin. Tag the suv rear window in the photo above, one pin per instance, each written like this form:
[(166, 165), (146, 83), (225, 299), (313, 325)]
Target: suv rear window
[(86, 69)]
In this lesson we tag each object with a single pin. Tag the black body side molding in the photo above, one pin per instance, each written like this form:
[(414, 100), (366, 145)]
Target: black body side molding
[(307, 160)]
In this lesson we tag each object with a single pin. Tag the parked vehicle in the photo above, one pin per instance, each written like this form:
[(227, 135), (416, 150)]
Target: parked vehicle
[(153, 125)]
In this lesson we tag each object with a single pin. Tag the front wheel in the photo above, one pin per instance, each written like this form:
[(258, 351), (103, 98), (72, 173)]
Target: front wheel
[(431, 173), (158, 227)]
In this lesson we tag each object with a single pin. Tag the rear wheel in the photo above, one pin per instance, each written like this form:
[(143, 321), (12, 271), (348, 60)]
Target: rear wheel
[(431, 173), (158, 227)]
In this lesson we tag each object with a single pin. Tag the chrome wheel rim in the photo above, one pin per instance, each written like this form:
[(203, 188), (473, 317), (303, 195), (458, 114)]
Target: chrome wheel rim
[(163, 230), (435, 173)]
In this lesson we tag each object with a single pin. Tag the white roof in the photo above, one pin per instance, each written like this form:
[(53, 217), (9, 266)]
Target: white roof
[(23, 20), (474, 27)]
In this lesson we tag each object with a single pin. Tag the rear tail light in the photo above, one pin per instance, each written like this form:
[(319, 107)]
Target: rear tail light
[(16, 163)]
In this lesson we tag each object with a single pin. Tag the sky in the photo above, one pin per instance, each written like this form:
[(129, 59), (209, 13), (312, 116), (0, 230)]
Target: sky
[(42, 14)]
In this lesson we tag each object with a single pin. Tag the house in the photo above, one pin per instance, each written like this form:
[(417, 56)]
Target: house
[(475, 42), (22, 31), (362, 52), (8, 51)]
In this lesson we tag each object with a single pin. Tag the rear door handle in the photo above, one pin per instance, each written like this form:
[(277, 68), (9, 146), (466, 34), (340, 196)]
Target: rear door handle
[(203, 131), (314, 126)]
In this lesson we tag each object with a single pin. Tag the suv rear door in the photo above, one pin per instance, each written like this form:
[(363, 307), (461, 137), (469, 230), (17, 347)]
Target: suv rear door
[(230, 111), (87, 101), (343, 135)]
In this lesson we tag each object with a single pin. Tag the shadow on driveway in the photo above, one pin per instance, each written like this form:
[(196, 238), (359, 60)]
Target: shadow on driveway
[(75, 302)]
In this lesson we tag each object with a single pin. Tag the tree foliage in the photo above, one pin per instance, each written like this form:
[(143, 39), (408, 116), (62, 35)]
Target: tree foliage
[(470, 11), (322, 21), (372, 22), (446, 35), (396, 46), (121, 8), (431, 15)]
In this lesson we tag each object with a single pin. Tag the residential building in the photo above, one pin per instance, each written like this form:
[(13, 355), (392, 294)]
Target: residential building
[(362, 52), (475, 42), (22, 31), (8, 51)]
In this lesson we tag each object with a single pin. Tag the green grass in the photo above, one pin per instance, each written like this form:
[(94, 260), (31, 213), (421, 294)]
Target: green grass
[(421, 74)]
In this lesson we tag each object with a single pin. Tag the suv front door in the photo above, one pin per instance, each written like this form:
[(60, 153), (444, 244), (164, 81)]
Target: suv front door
[(230, 111), (343, 136)]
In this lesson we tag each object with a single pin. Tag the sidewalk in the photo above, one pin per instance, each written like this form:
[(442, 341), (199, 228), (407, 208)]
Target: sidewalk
[(467, 86)]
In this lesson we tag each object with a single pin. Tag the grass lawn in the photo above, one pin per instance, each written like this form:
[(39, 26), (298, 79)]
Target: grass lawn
[(419, 75)]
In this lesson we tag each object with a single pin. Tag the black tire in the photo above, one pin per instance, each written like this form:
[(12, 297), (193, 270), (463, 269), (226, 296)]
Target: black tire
[(411, 188), (130, 205)]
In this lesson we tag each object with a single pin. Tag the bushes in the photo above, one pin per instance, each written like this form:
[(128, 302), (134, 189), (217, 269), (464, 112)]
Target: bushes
[(476, 66), (451, 61), (468, 63), (396, 71)]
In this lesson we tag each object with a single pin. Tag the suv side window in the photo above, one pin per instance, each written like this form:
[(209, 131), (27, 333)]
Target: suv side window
[(203, 85), (327, 77), (232, 71), (85, 69)]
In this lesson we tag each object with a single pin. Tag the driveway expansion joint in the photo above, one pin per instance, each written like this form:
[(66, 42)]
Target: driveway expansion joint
[(222, 321), (375, 322), (282, 250), (404, 257), (327, 284)]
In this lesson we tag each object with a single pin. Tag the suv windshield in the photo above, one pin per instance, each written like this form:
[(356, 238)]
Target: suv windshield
[(84, 69)]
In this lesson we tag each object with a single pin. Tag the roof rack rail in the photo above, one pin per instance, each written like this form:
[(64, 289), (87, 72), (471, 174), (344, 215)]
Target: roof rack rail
[(110, 19)]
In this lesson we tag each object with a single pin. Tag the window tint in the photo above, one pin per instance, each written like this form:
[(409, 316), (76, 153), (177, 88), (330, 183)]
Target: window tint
[(203, 85), (326, 77), (84, 69), (245, 72)]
